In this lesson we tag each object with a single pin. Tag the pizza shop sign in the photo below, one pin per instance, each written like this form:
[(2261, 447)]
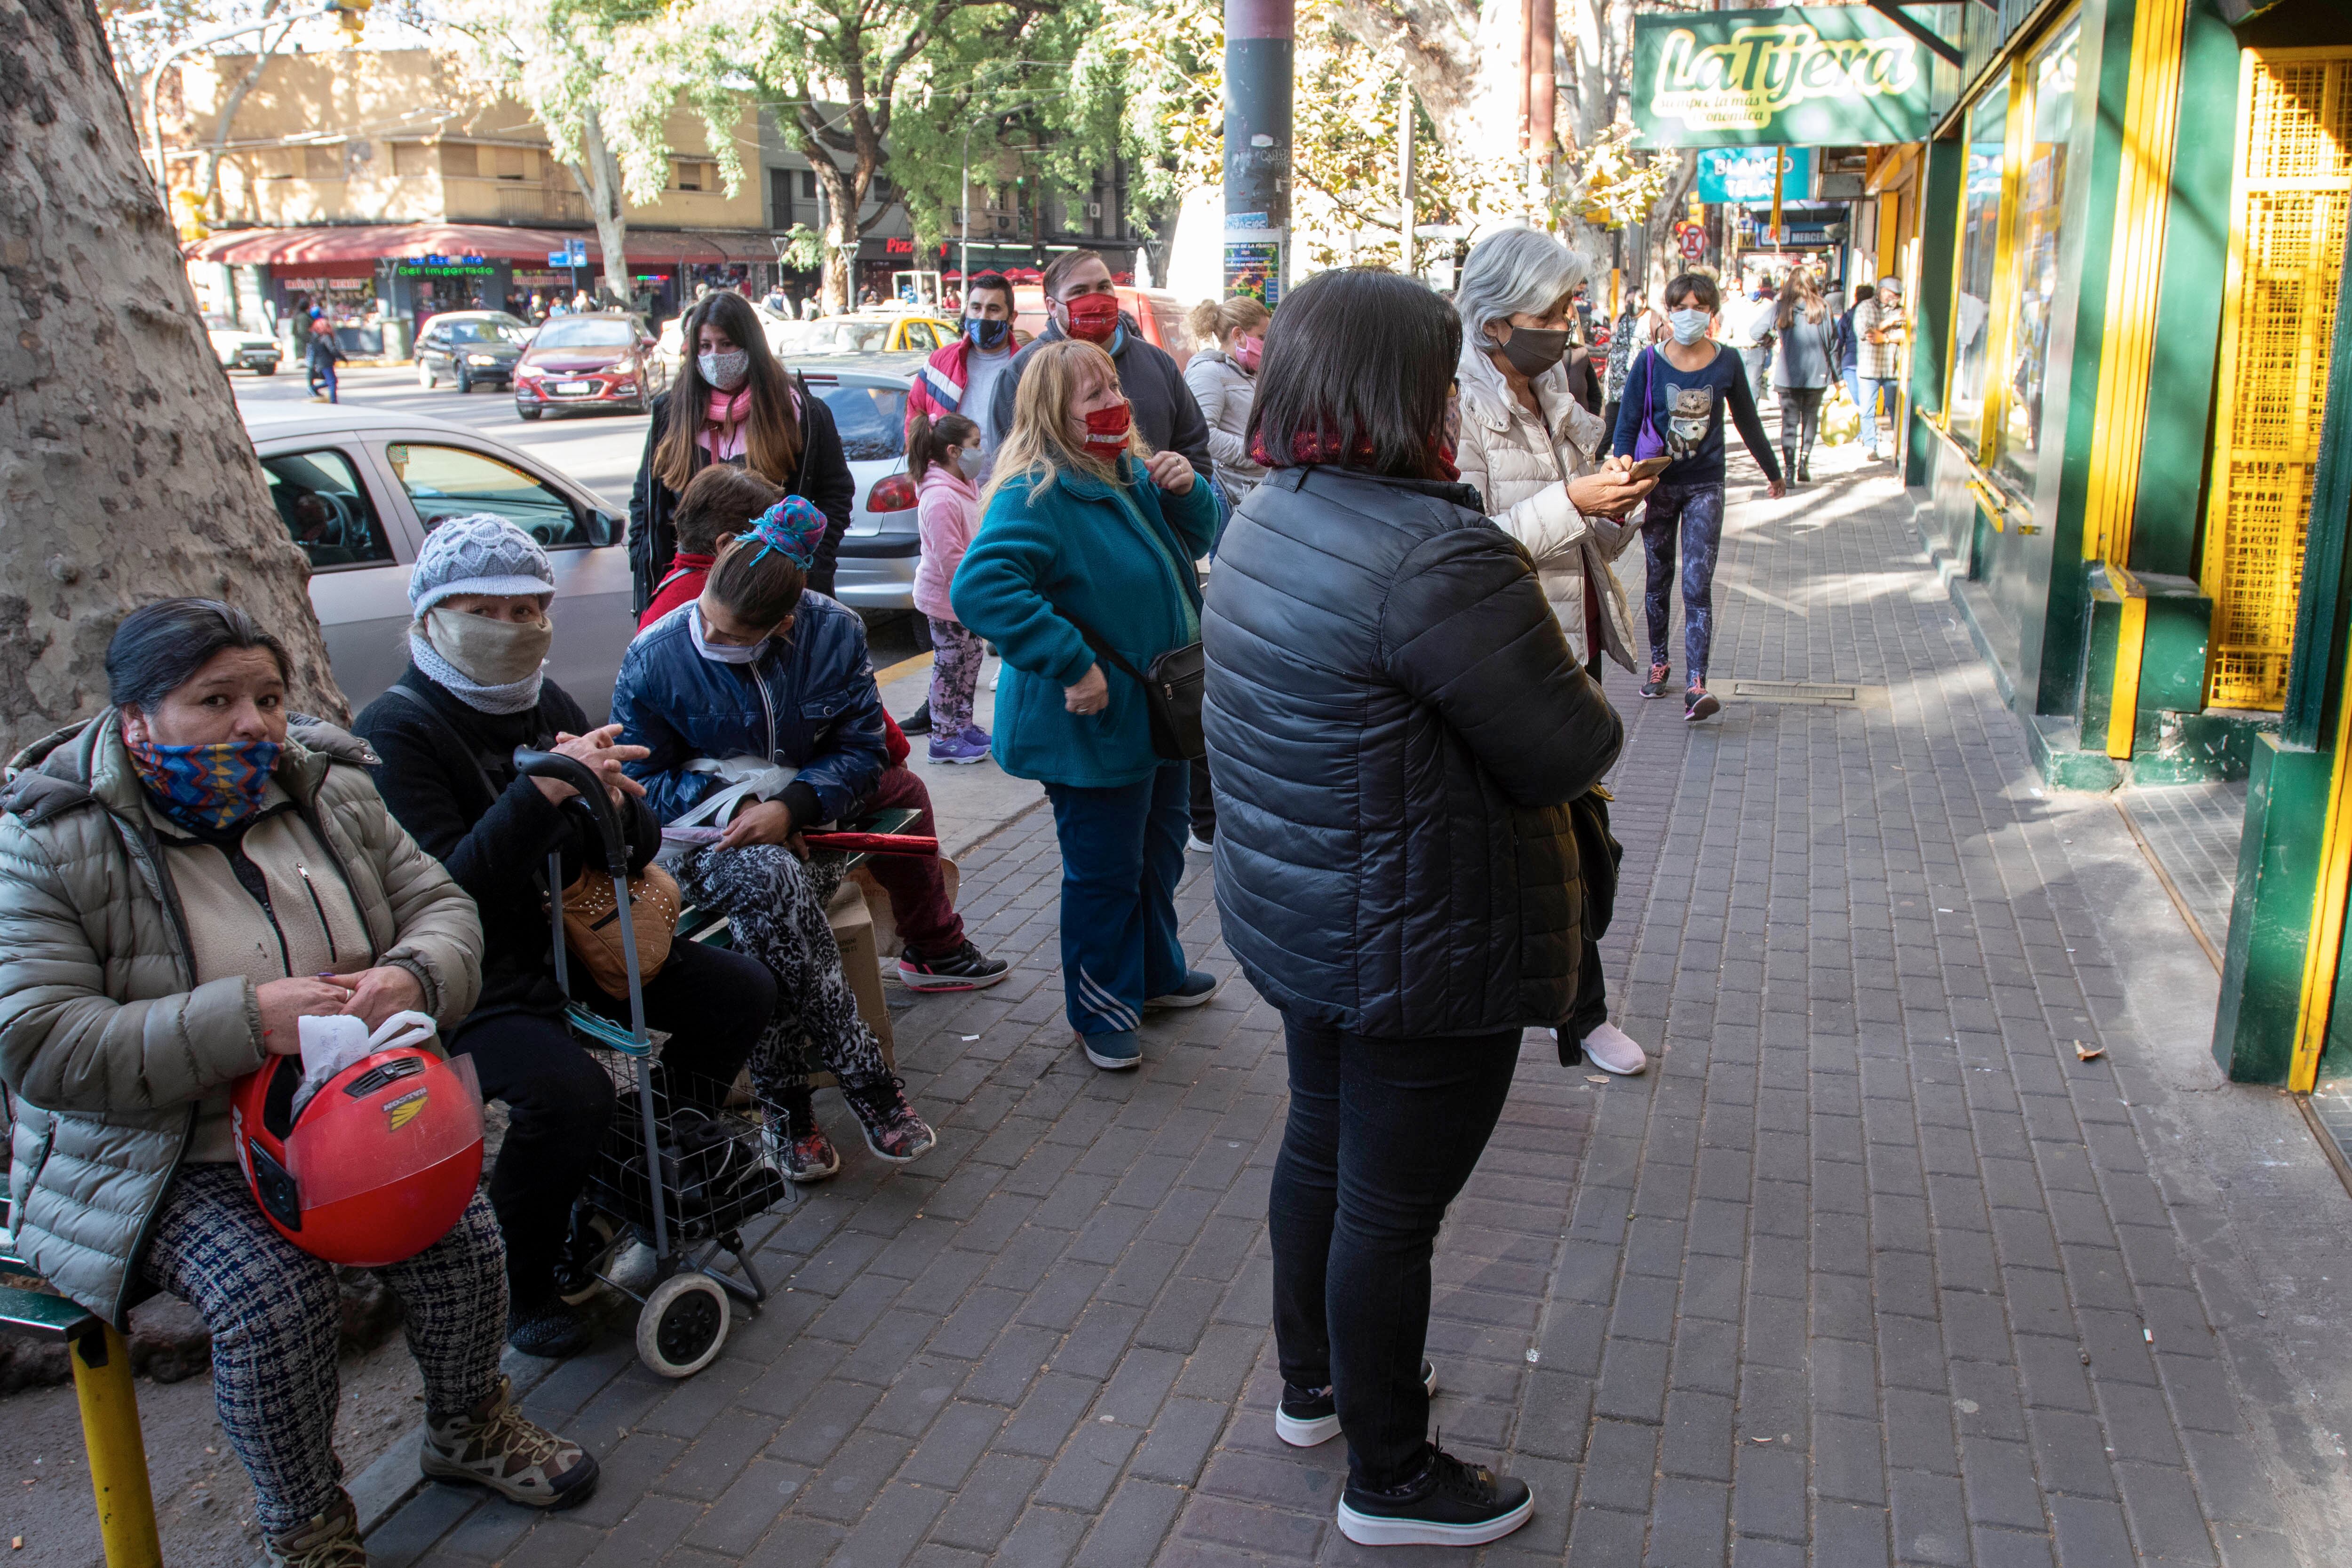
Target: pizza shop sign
[(1796, 76)]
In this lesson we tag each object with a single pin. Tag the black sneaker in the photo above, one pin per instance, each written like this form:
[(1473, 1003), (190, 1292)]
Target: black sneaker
[(1661, 682), (554, 1329), (965, 969), (1448, 1504), (918, 722), (1699, 703), (1310, 1415)]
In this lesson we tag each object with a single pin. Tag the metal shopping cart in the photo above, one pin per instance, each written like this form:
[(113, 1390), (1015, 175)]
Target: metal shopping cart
[(679, 1169)]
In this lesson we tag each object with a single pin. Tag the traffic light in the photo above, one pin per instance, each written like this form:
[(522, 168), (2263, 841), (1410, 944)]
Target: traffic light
[(350, 15)]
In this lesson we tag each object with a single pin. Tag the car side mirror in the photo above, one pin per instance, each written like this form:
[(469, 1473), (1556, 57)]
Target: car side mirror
[(603, 527)]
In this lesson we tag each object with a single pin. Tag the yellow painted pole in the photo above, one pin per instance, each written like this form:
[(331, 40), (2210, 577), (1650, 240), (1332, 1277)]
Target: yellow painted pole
[(118, 1455), (2131, 650)]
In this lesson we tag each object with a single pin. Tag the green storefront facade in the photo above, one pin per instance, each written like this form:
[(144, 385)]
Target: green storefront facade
[(2130, 435)]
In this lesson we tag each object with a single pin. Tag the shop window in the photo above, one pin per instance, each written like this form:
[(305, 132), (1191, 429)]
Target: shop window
[(2048, 121), (451, 481), (325, 509), (2293, 186), (412, 160), (1979, 269)]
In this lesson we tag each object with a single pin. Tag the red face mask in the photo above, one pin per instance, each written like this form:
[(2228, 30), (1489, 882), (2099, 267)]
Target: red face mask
[(1093, 318), (1106, 430)]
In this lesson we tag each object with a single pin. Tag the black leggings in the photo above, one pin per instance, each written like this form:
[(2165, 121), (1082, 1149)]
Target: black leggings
[(712, 1003)]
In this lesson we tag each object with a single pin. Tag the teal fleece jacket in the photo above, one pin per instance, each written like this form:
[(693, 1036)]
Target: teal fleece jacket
[(1119, 559)]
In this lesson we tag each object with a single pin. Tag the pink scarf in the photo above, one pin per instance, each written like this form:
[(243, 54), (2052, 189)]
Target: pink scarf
[(727, 414)]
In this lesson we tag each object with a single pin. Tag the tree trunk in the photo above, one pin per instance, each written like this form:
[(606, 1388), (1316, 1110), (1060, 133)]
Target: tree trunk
[(840, 233), (602, 189), (125, 473)]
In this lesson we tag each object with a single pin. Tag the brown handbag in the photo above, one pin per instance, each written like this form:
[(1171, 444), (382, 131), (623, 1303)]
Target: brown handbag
[(592, 932)]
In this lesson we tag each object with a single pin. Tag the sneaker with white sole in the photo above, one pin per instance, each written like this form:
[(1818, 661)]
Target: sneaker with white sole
[(1307, 1416), (1449, 1503), (1198, 845), (796, 1144), (1114, 1051), (961, 749), (1612, 1049), (892, 1129), (965, 969), (1197, 986)]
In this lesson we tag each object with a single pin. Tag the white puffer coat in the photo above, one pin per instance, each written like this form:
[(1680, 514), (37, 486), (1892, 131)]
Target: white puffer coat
[(1522, 466), (1225, 393)]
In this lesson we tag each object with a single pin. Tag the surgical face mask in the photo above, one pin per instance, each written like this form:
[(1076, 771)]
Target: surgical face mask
[(489, 652), (1688, 326), (726, 371), (1532, 351), (723, 652)]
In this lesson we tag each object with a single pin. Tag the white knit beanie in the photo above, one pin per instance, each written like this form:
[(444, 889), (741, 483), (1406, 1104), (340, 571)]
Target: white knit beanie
[(480, 554)]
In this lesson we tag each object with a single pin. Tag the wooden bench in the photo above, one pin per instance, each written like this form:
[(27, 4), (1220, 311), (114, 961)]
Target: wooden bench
[(109, 1414)]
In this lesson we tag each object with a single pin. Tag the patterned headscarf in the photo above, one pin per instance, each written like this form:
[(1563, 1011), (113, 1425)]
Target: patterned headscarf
[(206, 788), (792, 526)]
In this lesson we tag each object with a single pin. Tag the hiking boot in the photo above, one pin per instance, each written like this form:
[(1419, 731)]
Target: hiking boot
[(1698, 704), (893, 1132), (1310, 1415), (493, 1446), (1197, 986), (965, 969), (1661, 682), (1115, 1051), (796, 1145), (330, 1541), (1449, 1503), (961, 751), (553, 1329)]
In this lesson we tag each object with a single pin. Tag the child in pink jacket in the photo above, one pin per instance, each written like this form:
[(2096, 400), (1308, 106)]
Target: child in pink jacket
[(939, 456)]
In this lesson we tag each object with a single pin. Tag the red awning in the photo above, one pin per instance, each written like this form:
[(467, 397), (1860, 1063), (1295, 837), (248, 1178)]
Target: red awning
[(370, 242)]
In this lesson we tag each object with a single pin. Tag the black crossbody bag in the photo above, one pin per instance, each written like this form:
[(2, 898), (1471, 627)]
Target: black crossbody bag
[(1172, 691)]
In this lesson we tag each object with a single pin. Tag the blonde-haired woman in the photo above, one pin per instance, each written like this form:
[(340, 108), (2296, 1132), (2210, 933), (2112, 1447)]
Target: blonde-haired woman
[(1087, 542), (1223, 374)]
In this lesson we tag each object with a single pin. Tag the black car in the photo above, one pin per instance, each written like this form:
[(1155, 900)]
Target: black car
[(468, 346)]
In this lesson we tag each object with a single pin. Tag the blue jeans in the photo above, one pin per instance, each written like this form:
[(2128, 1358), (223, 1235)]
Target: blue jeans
[(1122, 856), (1382, 1136), (1692, 514), (1867, 390)]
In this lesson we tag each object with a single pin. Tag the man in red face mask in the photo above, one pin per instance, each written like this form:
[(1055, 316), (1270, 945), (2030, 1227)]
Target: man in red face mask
[(1084, 304)]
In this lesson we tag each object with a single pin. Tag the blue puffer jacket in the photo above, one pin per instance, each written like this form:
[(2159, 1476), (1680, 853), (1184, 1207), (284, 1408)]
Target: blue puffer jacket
[(809, 701), (1120, 561), (1396, 727)]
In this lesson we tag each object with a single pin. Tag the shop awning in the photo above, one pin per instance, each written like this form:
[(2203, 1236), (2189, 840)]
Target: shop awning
[(369, 242)]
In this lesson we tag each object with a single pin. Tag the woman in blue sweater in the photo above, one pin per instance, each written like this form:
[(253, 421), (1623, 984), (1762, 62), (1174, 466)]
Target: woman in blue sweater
[(1676, 395), (1086, 540)]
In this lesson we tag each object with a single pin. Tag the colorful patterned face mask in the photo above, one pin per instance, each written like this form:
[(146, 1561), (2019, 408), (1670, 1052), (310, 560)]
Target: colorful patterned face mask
[(213, 786)]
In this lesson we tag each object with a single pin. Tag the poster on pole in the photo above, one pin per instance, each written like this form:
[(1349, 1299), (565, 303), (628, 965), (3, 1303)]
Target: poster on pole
[(1804, 76), (1254, 267)]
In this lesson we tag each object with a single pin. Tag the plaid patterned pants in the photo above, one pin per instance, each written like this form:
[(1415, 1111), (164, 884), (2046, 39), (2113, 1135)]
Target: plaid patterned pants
[(276, 1323)]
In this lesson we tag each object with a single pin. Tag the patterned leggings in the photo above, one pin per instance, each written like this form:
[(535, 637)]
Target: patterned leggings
[(775, 903), (277, 1323), (955, 676), (1695, 512)]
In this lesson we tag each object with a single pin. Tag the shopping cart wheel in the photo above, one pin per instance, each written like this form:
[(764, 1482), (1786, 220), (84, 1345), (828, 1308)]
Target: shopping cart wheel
[(683, 1324)]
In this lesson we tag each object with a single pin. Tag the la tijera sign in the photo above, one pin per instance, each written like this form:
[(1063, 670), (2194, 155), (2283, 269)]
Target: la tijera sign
[(1795, 76)]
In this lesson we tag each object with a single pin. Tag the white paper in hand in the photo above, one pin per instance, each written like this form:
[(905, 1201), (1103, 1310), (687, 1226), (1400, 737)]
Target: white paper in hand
[(334, 1041)]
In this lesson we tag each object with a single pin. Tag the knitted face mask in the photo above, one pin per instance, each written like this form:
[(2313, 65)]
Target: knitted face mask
[(216, 786), (488, 652)]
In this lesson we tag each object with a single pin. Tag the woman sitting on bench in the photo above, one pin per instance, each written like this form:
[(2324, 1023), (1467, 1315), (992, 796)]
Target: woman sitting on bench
[(475, 690), (757, 684), (182, 878)]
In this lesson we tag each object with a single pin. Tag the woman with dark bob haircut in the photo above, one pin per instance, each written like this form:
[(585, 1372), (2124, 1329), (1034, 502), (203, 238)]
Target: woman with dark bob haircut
[(182, 878), (1396, 726)]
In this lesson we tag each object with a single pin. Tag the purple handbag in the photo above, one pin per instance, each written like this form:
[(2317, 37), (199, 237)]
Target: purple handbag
[(1647, 441)]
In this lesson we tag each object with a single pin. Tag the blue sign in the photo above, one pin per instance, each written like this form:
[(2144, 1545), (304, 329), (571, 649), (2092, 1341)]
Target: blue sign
[(1740, 174), (578, 250), (558, 259)]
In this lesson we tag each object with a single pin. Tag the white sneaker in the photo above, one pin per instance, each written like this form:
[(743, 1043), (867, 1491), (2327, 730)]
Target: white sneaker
[(992, 679), (1198, 845), (1612, 1049)]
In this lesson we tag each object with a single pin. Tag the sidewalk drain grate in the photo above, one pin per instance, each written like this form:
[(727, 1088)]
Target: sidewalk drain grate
[(1797, 691)]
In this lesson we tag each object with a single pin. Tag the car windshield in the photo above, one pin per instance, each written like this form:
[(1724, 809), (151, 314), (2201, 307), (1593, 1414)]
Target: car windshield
[(487, 330), (586, 333), (216, 321), (835, 336), (872, 419)]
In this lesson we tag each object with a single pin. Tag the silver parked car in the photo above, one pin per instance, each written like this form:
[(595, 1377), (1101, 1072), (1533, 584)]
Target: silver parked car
[(359, 488), (879, 553)]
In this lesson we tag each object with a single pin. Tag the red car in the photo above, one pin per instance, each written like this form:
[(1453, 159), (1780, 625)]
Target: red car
[(599, 360)]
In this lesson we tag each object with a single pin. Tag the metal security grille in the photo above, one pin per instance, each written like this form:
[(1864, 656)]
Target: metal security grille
[(2278, 315)]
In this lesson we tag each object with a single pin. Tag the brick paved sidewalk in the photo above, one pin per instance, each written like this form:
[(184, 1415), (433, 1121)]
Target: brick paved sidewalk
[(1869, 1268)]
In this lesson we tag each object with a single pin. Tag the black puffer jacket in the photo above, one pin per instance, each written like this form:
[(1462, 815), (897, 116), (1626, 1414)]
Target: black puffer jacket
[(1395, 728)]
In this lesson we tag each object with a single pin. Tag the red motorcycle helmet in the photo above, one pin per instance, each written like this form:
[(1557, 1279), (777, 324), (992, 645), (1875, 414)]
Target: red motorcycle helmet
[(374, 1167)]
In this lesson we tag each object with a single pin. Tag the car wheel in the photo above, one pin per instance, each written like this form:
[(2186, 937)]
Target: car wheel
[(425, 376), (523, 413), (264, 370), (464, 382)]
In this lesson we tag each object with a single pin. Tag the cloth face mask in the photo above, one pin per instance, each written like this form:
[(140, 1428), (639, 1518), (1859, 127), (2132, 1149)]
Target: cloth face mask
[(1107, 430), (725, 371), (1093, 318), (215, 786), (987, 336), (1532, 351), (488, 652)]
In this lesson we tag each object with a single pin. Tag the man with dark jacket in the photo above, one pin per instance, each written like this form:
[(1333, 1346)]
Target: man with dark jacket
[(1084, 303)]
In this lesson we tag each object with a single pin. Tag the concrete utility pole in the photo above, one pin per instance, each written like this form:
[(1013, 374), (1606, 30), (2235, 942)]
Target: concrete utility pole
[(1405, 202), (1258, 50)]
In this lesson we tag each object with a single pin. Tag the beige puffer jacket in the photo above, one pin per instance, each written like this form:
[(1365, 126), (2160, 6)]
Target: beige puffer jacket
[(1521, 467), (106, 1042)]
